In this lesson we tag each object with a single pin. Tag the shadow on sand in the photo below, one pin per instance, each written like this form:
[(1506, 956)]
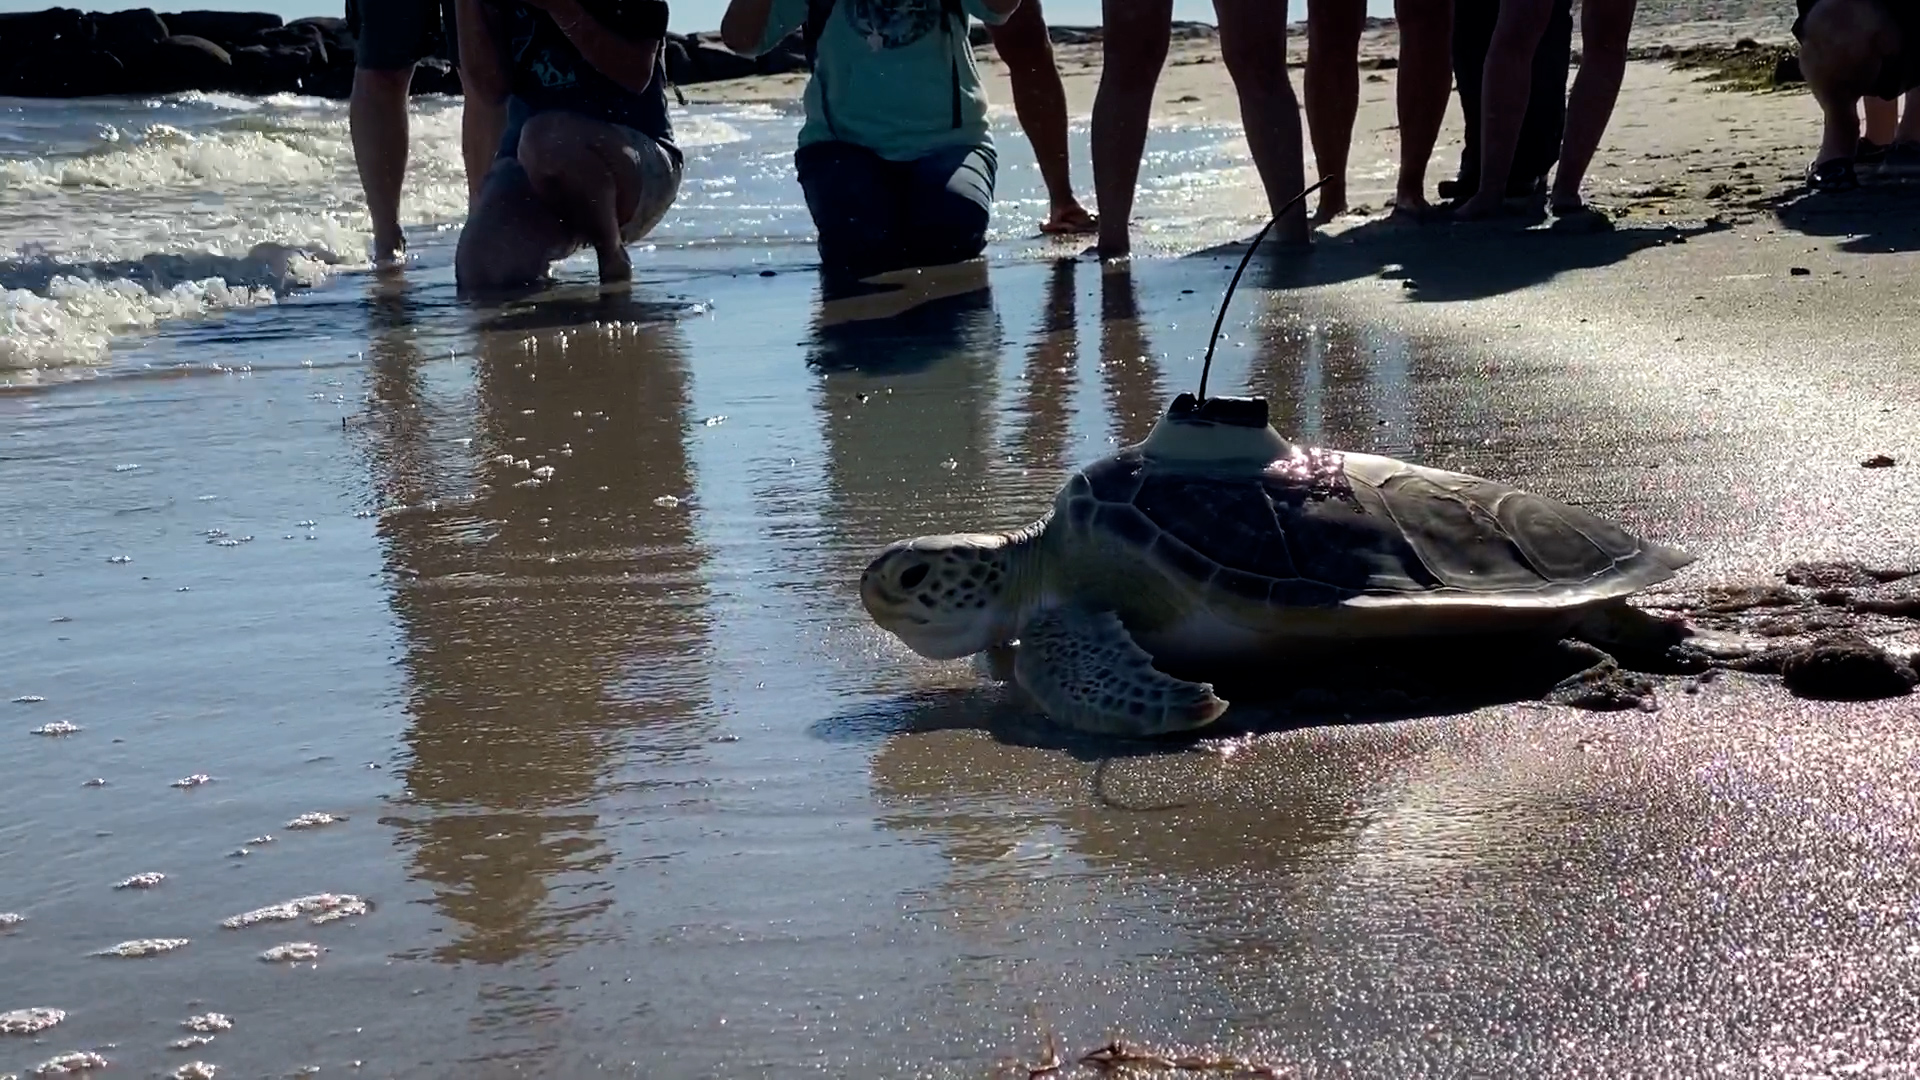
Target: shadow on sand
[(1441, 261), (1443, 678), (1876, 219)]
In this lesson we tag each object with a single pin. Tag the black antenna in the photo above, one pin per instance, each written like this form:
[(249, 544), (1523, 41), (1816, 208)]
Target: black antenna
[(1206, 367)]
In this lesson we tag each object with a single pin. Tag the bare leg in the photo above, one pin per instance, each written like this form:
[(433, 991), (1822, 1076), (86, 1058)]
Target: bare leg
[(1882, 119), (1842, 44), (585, 171), (1909, 129), (1133, 50), (1504, 94), (512, 238), (377, 115), (1604, 26), (482, 125), (574, 182), (1425, 80), (1040, 100), (1253, 42), (1333, 94)]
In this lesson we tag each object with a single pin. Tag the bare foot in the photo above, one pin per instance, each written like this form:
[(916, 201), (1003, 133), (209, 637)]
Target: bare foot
[(1333, 203), (1071, 219), (1561, 205), (389, 253), (1114, 241)]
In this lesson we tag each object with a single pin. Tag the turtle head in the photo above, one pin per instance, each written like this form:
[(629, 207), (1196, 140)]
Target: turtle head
[(946, 596)]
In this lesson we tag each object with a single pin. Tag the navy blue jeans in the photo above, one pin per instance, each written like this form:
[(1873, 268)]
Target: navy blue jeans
[(873, 214)]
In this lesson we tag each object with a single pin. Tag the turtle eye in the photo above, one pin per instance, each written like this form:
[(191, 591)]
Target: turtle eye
[(913, 575)]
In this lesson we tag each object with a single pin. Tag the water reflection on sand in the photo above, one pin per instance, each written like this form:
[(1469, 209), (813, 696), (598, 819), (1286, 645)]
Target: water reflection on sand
[(554, 620), (654, 798)]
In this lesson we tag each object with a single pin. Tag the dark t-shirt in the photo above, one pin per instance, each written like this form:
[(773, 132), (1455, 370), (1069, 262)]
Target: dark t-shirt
[(547, 72)]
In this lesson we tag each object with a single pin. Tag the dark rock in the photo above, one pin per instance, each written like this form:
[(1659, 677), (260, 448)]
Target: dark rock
[(295, 37), (1380, 63), (335, 81), (780, 62), (282, 69), (54, 28), (679, 66), (47, 54), (182, 62), (335, 31), (1845, 667), (221, 27), (717, 62), (127, 34), (1786, 71), (1844, 575), (1878, 461), (1900, 599)]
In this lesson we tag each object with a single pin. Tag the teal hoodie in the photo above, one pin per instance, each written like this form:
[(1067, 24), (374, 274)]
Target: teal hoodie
[(894, 76)]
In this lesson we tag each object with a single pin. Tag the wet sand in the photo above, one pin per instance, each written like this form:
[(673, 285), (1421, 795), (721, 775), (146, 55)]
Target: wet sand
[(632, 787)]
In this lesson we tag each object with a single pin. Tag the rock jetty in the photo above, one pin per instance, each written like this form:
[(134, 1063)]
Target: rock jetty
[(65, 53)]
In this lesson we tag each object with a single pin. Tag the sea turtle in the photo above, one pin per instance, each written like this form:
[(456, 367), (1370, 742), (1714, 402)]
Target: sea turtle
[(1216, 545)]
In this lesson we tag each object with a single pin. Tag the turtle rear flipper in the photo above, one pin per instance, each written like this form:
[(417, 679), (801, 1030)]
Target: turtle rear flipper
[(1087, 672)]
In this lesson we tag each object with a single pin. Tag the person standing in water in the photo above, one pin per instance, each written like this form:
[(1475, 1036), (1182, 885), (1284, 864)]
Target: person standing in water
[(588, 158), (391, 37), (895, 158)]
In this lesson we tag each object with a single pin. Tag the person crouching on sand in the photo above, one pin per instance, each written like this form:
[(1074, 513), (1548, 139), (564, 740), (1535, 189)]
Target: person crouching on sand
[(588, 158), (895, 158), (1849, 50)]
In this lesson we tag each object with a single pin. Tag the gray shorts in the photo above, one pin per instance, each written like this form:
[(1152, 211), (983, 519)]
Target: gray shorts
[(391, 35), (660, 171), (660, 176)]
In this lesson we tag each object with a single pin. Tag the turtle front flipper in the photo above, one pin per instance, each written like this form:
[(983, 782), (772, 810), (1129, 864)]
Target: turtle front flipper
[(1087, 672)]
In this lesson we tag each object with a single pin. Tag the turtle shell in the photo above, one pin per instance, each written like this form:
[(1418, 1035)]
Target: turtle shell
[(1323, 528)]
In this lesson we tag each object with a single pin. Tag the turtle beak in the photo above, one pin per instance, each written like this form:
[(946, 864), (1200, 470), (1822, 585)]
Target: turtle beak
[(886, 606)]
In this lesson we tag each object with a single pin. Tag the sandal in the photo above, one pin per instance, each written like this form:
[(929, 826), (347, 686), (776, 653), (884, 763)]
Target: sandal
[(1833, 175)]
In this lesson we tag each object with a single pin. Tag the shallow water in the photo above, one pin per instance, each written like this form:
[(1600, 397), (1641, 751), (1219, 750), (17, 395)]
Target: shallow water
[(118, 215), (628, 783), (631, 785)]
